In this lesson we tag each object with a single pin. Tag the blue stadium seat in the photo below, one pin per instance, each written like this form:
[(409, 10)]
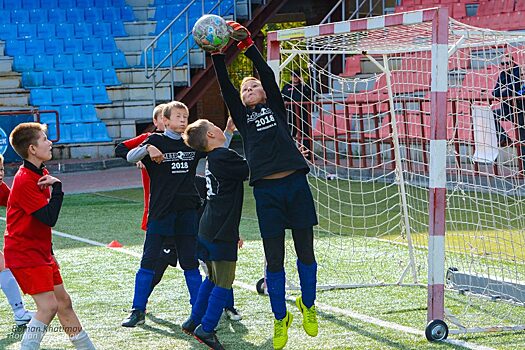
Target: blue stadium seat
[(54, 46), (31, 4), (32, 79), (101, 60), (75, 15), (82, 95), (35, 46), (81, 132), (63, 61), (72, 45), (20, 16), (88, 112), (49, 4), (67, 4), (101, 29), (65, 133), (26, 30), (85, 3), (43, 62), (56, 15), (92, 77), (68, 114), (82, 61), (92, 45), (38, 15), (8, 31), (103, 3), (100, 95), (71, 77), (39, 97), (83, 30), (93, 14), (13, 4), (119, 60), (109, 77), (161, 13), (23, 63), (65, 30), (118, 30), (108, 44), (100, 132), (118, 3), (111, 14), (62, 96), (126, 14), (48, 118), (46, 30), (5, 17), (15, 47), (51, 127), (53, 78)]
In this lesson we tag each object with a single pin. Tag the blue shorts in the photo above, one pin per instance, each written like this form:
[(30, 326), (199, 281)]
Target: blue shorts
[(179, 223), (285, 203), (216, 250)]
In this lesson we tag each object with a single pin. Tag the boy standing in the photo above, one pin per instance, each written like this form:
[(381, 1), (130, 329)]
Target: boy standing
[(278, 175), (31, 212), (218, 229)]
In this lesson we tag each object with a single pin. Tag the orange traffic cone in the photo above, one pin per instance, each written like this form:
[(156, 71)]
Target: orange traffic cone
[(115, 244)]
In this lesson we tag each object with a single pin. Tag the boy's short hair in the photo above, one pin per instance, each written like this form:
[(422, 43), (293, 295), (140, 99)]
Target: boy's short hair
[(24, 135), (195, 135), (168, 107), (157, 111), (1, 159), (247, 79)]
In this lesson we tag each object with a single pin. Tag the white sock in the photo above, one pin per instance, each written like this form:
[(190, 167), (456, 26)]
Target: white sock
[(12, 292), (33, 335), (82, 341)]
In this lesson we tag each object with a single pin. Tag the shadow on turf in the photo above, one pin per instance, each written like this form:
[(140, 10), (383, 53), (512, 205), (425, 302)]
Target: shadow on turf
[(177, 333)]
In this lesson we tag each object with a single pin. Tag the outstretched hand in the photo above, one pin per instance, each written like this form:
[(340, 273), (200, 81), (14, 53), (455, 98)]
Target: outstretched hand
[(230, 125), (241, 34)]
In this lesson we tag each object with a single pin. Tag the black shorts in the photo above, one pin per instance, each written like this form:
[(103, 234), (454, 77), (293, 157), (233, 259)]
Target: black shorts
[(285, 203), (168, 252), (216, 250)]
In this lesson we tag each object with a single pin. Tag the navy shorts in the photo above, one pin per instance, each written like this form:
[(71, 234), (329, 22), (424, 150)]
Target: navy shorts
[(285, 203), (179, 223), (216, 250)]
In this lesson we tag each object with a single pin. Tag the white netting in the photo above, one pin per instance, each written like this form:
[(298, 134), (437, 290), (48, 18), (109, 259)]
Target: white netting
[(368, 125)]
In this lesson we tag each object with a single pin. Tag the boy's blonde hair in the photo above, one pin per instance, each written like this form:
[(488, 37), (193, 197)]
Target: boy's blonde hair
[(24, 135), (157, 111), (195, 135), (168, 107), (247, 79)]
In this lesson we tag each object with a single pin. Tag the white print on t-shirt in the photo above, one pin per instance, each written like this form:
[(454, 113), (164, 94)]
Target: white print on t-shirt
[(263, 120), (212, 185), (179, 161)]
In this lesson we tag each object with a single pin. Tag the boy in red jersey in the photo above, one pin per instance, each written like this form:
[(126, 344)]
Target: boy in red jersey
[(7, 280), (31, 212)]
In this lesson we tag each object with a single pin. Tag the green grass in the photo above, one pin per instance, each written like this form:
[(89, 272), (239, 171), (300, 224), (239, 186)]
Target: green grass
[(100, 282)]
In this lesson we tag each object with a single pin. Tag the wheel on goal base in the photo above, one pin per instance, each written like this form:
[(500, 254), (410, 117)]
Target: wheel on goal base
[(436, 330), (259, 286)]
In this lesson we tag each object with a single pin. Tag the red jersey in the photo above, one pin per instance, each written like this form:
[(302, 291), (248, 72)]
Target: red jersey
[(27, 240), (4, 194), (130, 144)]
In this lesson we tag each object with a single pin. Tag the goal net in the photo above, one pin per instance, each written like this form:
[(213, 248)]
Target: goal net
[(406, 116)]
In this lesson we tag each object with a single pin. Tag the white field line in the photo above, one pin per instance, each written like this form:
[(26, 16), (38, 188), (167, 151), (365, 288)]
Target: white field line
[(320, 306)]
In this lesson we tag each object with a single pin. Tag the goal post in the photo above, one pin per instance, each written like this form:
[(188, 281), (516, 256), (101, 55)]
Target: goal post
[(399, 114)]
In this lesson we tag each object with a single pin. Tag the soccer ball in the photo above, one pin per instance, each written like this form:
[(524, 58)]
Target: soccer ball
[(211, 33)]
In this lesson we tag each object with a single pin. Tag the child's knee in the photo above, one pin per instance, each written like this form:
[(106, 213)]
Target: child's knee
[(49, 309), (188, 262), (64, 302)]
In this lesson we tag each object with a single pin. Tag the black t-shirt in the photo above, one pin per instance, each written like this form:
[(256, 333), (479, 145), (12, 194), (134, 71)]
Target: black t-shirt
[(268, 145), (172, 183), (225, 172)]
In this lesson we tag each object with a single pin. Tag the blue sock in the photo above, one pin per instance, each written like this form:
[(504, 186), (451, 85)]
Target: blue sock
[(201, 304), (275, 281), (231, 301), (308, 280), (142, 288), (218, 299), (193, 281)]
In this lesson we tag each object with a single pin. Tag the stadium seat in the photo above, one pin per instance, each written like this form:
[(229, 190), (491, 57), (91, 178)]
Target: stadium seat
[(13, 4), (92, 77), (26, 30), (49, 4), (100, 132), (62, 96), (108, 44), (47, 118), (72, 45), (19, 16), (102, 60), (110, 14), (118, 3), (88, 113), (39, 97), (82, 95), (100, 95), (102, 29), (54, 46), (68, 114), (65, 30), (53, 78), (43, 62), (92, 44), (119, 60), (31, 4), (85, 3), (118, 30), (103, 3), (82, 61), (5, 17), (72, 77), (56, 15), (46, 30), (38, 15), (126, 14), (75, 15), (83, 30), (32, 79), (7, 31), (109, 77), (23, 63), (81, 132), (35, 46), (92, 14), (63, 61), (65, 133), (51, 127)]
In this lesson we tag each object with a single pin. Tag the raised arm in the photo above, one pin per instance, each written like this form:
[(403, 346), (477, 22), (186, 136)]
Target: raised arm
[(230, 94), (265, 74)]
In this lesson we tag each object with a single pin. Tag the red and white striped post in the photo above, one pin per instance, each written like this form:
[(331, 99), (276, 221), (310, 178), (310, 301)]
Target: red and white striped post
[(437, 174)]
